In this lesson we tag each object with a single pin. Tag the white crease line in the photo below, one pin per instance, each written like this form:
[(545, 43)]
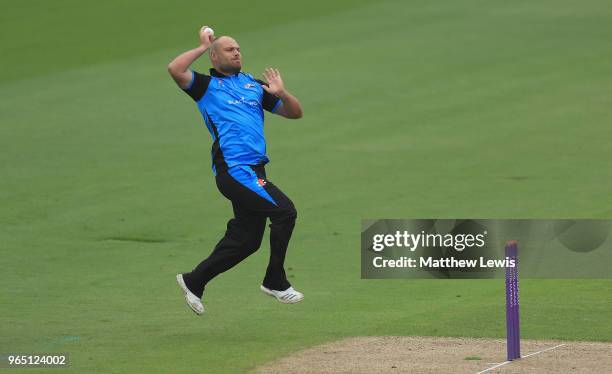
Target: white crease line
[(543, 350), (531, 354), (493, 367)]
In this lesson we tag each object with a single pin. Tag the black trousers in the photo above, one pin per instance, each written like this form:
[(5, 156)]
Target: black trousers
[(254, 199)]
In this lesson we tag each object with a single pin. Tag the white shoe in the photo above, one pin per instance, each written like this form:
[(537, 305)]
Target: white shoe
[(193, 301), (288, 296)]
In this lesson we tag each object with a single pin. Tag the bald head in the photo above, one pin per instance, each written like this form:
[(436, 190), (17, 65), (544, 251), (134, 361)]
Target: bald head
[(221, 41), (225, 55)]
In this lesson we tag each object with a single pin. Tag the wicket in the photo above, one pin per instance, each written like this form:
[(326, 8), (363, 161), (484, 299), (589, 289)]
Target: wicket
[(513, 337)]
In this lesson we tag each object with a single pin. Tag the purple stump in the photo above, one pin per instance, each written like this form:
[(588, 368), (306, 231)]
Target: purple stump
[(512, 303)]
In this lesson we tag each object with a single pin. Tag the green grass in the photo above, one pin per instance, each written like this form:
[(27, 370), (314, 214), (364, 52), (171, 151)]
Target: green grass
[(412, 109)]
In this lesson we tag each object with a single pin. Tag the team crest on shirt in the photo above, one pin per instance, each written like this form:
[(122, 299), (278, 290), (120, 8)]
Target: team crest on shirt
[(261, 182)]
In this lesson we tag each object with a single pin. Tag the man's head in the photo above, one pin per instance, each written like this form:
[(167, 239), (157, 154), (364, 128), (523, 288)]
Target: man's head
[(225, 55)]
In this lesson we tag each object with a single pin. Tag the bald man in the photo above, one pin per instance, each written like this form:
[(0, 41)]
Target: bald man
[(232, 104)]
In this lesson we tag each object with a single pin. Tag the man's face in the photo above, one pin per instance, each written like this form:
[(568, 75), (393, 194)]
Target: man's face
[(225, 55)]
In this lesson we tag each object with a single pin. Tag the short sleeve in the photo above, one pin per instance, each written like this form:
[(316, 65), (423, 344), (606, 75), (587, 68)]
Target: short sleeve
[(269, 102), (198, 85)]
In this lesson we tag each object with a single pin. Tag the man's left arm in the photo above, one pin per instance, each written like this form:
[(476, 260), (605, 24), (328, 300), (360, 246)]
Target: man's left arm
[(290, 106)]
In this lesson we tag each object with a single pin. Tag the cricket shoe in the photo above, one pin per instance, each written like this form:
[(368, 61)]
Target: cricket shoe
[(288, 296), (193, 301)]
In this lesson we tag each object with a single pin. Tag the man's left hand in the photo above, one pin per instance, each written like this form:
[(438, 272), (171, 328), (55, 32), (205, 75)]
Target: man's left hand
[(275, 82)]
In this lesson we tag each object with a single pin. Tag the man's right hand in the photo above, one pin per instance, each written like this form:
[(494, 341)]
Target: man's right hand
[(206, 39), (179, 67)]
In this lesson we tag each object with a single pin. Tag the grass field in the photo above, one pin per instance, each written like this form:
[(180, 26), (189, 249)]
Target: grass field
[(412, 109)]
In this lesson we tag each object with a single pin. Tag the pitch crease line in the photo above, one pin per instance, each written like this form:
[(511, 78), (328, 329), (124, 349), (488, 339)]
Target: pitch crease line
[(531, 354), (494, 367), (543, 350)]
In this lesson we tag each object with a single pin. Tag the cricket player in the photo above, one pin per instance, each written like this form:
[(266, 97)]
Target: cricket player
[(232, 103)]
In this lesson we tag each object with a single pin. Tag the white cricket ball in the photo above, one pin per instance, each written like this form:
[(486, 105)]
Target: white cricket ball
[(209, 31)]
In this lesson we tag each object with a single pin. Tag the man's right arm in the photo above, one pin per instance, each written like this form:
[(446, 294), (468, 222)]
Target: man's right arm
[(179, 67)]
